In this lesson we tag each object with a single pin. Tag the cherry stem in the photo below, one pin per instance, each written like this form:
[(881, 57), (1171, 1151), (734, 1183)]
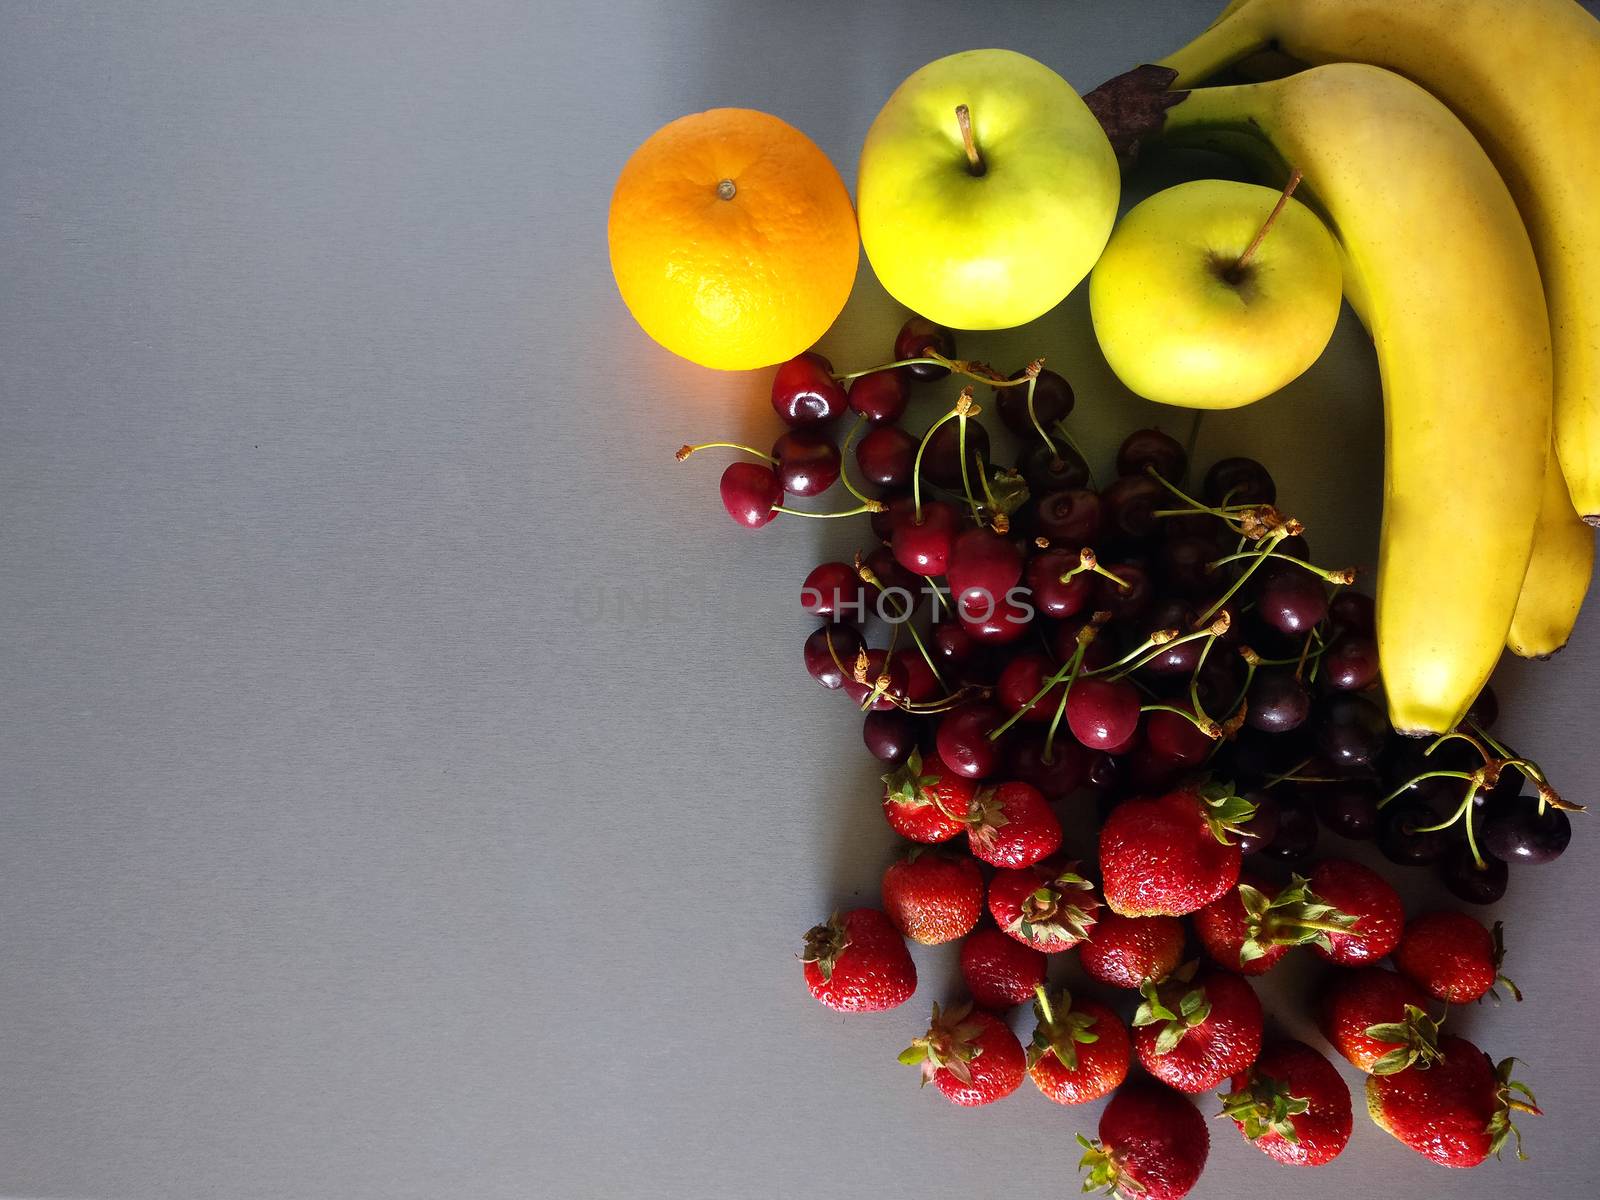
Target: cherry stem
[(1340, 577), (961, 451), (685, 451), (1466, 775), (1236, 272), (1065, 435), (1194, 681), (1033, 416), (932, 358), (871, 506), (904, 618), (975, 165), (1088, 561), (916, 466), (1069, 673), (1204, 724), (844, 456), (1271, 540)]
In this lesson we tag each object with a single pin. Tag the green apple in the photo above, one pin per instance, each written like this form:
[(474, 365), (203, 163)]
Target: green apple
[(987, 219), (1182, 321)]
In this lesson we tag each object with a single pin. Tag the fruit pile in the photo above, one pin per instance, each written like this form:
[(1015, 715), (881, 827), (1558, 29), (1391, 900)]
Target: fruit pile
[(1037, 657)]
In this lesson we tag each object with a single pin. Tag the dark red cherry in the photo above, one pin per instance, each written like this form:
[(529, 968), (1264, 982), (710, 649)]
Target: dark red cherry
[(963, 739), (1020, 682), (808, 462), (952, 645), (1174, 657), (1238, 481), (1470, 882), (1184, 565), (1350, 664), (1177, 739), (751, 493), (1130, 504), (831, 654), (1291, 602), (922, 685), (1072, 518), (833, 589), (804, 391), (994, 624), (1144, 449), (1128, 595), (892, 578), (890, 735), (1057, 774), (1485, 710), (879, 397), (1052, 401), (1064, 643), (1102, 714), (885, 456), (1045, 470), (1353, 611), (1262, 828), (924, 546), (879, 665), (982, 561), (1277, 701), (896, 511), (941, 458), (916, 337), (1050, 595)]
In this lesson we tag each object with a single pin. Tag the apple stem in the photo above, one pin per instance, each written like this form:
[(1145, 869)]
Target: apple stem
[(1266, 226), (974, 159)]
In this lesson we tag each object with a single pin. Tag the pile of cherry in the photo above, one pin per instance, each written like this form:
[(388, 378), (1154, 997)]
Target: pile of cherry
[(1171, 650)]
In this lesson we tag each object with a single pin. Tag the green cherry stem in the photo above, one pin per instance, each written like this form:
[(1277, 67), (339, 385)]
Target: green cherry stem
[(684, 452), (961, 450), (956, 366), (870, 506), (1069, 673), (1033, 416), (1260, 556), (916, 465), (1340, 577), (1204, 724), (844, 458), (1466, 775)]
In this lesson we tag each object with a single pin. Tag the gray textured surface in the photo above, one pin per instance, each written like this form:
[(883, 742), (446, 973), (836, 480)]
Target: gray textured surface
[(408, 783)]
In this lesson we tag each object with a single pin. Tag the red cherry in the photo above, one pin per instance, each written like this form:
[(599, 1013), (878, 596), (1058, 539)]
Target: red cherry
[(983, 565), (879, 397), (1021, 681), (1059, 775), (1052, 597), (833, 589), (922, 685), (1176, 739), (996, 624), (1052, 401), (886, 456), (804, 391), (916, 337), (1073, 516), (878, 664), (963, 739), (1102, 714), (808, 462), (924, 546), (751, 493)]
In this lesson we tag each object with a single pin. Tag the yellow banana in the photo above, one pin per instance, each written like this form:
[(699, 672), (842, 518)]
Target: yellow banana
[(1439, 267), (1558, 574), (1524, 75)]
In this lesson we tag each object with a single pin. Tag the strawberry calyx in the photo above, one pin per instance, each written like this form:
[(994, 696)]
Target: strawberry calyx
[(1264, 1106), (1047, 915), (1511, 1096), (1060, 1030), (824, 944), (1295, 916), (1224, 810), (1500, 979), (950, 1044), (985, 818), (909, 787), (1106, 1174), (1176, 1013), (1418, 1037)]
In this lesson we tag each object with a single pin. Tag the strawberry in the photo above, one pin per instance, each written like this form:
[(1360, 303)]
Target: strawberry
[(1153, 1145), (1363, 894), (1171, 855), (1457, 1112), (858, 963), (1125, 951), (933, 897), (999, 971), (1453, 957), (1252, 927), (1012, 825), (1080, 1049), (971, 1056), (1193, 1035), (1292, 1104), (1049, 909), (925, 800), (1376, 1019)]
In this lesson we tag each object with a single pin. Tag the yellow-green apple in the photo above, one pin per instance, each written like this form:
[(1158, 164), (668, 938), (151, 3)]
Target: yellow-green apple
[(986, 190), (1206, 299)]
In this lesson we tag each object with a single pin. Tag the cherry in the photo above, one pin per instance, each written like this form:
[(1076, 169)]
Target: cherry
[(1238, 481), (1262, 828), (941, 457), (1522, 834), (831, 654), (1151, 773), (880, 396), (808, 462), (1353, 611), (1470, 882), (919, 335), (879, 665), (1003, 621), (1296, 837), (1130, 503), (886, 569), (890, 735), (1174, 657), (1020, 682), (1221, 680), (1350, 808), (886, 455), (924, 546), (922, 685), (1102, 714), (751, 493), (1105, 774), (833, 589), (1045, 470), (1184, 565), (1291, 602), (1050, 595), (1485, 709), (1127, 596), (963, 739), (1060, 774), (1401, 836), (1073, 517), (1176, 739), (1277, 701), (804, 391), (984, 563), (1144, 449), (1351, 731), (952, 644), (897, 510), (1064, 643), (1052, 401), (1350, 664)]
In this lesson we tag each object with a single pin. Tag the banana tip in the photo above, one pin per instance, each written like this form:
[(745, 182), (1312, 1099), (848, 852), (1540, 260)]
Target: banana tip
[(1592, 520)]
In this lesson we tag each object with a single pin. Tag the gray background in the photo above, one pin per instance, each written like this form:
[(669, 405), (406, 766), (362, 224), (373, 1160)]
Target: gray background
[(408, 781)]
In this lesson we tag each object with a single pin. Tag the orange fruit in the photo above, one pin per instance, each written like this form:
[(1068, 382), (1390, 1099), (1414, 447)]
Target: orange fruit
[(732, 239)]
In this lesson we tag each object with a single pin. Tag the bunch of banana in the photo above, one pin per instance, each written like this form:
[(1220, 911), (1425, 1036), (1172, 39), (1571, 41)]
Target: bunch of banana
[(1439, 267), (1524, 76)]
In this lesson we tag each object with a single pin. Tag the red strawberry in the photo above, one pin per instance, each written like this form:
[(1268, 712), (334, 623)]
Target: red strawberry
[(1453, 957), (1457, 1112), (858, 963), (1125, 951), (970, 1055), (1153, 1145), (1363, 894), (925, 800), (1012, 825), (1172, 855), (1192, 1036), (1293, 1105), (1376, 1019), (1048, 909), (933, 897), (999, 971), (1080, 1049), (1253, 926)]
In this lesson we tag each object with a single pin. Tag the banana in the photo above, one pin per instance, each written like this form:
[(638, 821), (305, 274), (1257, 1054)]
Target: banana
[(1439, 267), (1524, 75), (1558, 574)]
